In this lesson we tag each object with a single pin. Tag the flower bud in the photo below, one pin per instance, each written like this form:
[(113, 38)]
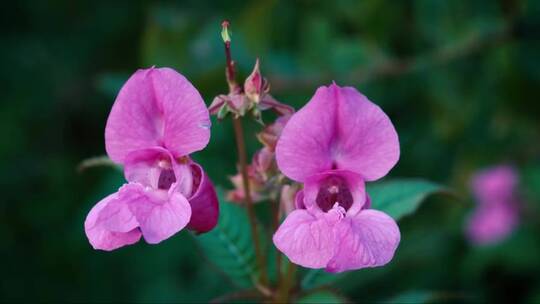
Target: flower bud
[(288, 199), (225, 31), (255, 85), (270, 134)]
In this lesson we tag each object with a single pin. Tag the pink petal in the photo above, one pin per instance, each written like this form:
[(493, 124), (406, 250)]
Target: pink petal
[(141, 166), (367, 204), (204, 202), (305, 239), (117, 217), (216, 104), (100, 237), (299, 200), (146, 166), (339, 128), (367, 240), (269, 102), (160, 214), (157, 107)]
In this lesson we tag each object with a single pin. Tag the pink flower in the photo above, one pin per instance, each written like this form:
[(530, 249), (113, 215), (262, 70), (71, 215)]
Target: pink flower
[(334, 144), (157, 120), (497, 213)]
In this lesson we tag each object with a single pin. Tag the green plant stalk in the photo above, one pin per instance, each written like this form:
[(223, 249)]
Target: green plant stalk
[(282, 294)]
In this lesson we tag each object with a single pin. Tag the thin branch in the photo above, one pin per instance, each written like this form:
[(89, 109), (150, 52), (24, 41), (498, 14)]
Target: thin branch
[(395, 67), (97, 161), (238, 295)]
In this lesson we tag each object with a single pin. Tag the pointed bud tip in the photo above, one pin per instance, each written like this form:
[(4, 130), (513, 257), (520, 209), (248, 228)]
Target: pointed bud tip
[(225, 31), (254, 84)]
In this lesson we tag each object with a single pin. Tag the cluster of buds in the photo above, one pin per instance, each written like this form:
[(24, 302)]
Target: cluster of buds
[(251, 98), (265, 180)]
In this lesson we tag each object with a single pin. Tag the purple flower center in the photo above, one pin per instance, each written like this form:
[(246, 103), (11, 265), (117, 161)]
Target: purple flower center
[(334, 190), (166, 179)]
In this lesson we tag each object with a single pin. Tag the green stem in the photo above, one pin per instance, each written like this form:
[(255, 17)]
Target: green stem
[(284, 288)]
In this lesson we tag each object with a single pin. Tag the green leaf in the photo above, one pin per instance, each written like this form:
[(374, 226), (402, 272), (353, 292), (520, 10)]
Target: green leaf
[(321, 296), (396, 198), (401, 197), (229, 246)]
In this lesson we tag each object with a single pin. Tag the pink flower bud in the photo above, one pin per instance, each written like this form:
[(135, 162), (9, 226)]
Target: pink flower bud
[(270, 134), (288, 198), (255, 84)]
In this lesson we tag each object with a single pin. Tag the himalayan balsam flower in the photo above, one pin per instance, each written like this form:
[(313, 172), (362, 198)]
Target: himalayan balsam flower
[(333, 145), (157, 120), (497, 212)]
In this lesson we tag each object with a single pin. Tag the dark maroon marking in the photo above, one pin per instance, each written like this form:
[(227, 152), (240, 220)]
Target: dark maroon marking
[(196, 173), (334, 189), (166, 179)]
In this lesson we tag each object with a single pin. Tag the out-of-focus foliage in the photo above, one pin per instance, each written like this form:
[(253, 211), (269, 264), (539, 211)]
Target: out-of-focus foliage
[(459, 79), (229, 246)]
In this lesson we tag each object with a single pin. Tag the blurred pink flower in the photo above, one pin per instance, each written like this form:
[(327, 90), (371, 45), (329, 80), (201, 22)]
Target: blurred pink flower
[(291, 198), (333, 145), (256, 184), (497, 213), (157, 120), (271, 133)]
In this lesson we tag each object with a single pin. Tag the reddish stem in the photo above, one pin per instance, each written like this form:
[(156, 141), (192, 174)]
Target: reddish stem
[(276, 209), (242, 158), (230, 72), (241, 147)]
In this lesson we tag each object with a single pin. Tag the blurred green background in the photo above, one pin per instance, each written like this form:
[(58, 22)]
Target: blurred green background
[(459, 79)]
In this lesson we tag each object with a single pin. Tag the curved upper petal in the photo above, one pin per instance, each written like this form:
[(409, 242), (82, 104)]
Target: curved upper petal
[(98, 227), (368, 239), (339, 128), (160, 214), (157, 107), (305, 239), (204, 202)]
